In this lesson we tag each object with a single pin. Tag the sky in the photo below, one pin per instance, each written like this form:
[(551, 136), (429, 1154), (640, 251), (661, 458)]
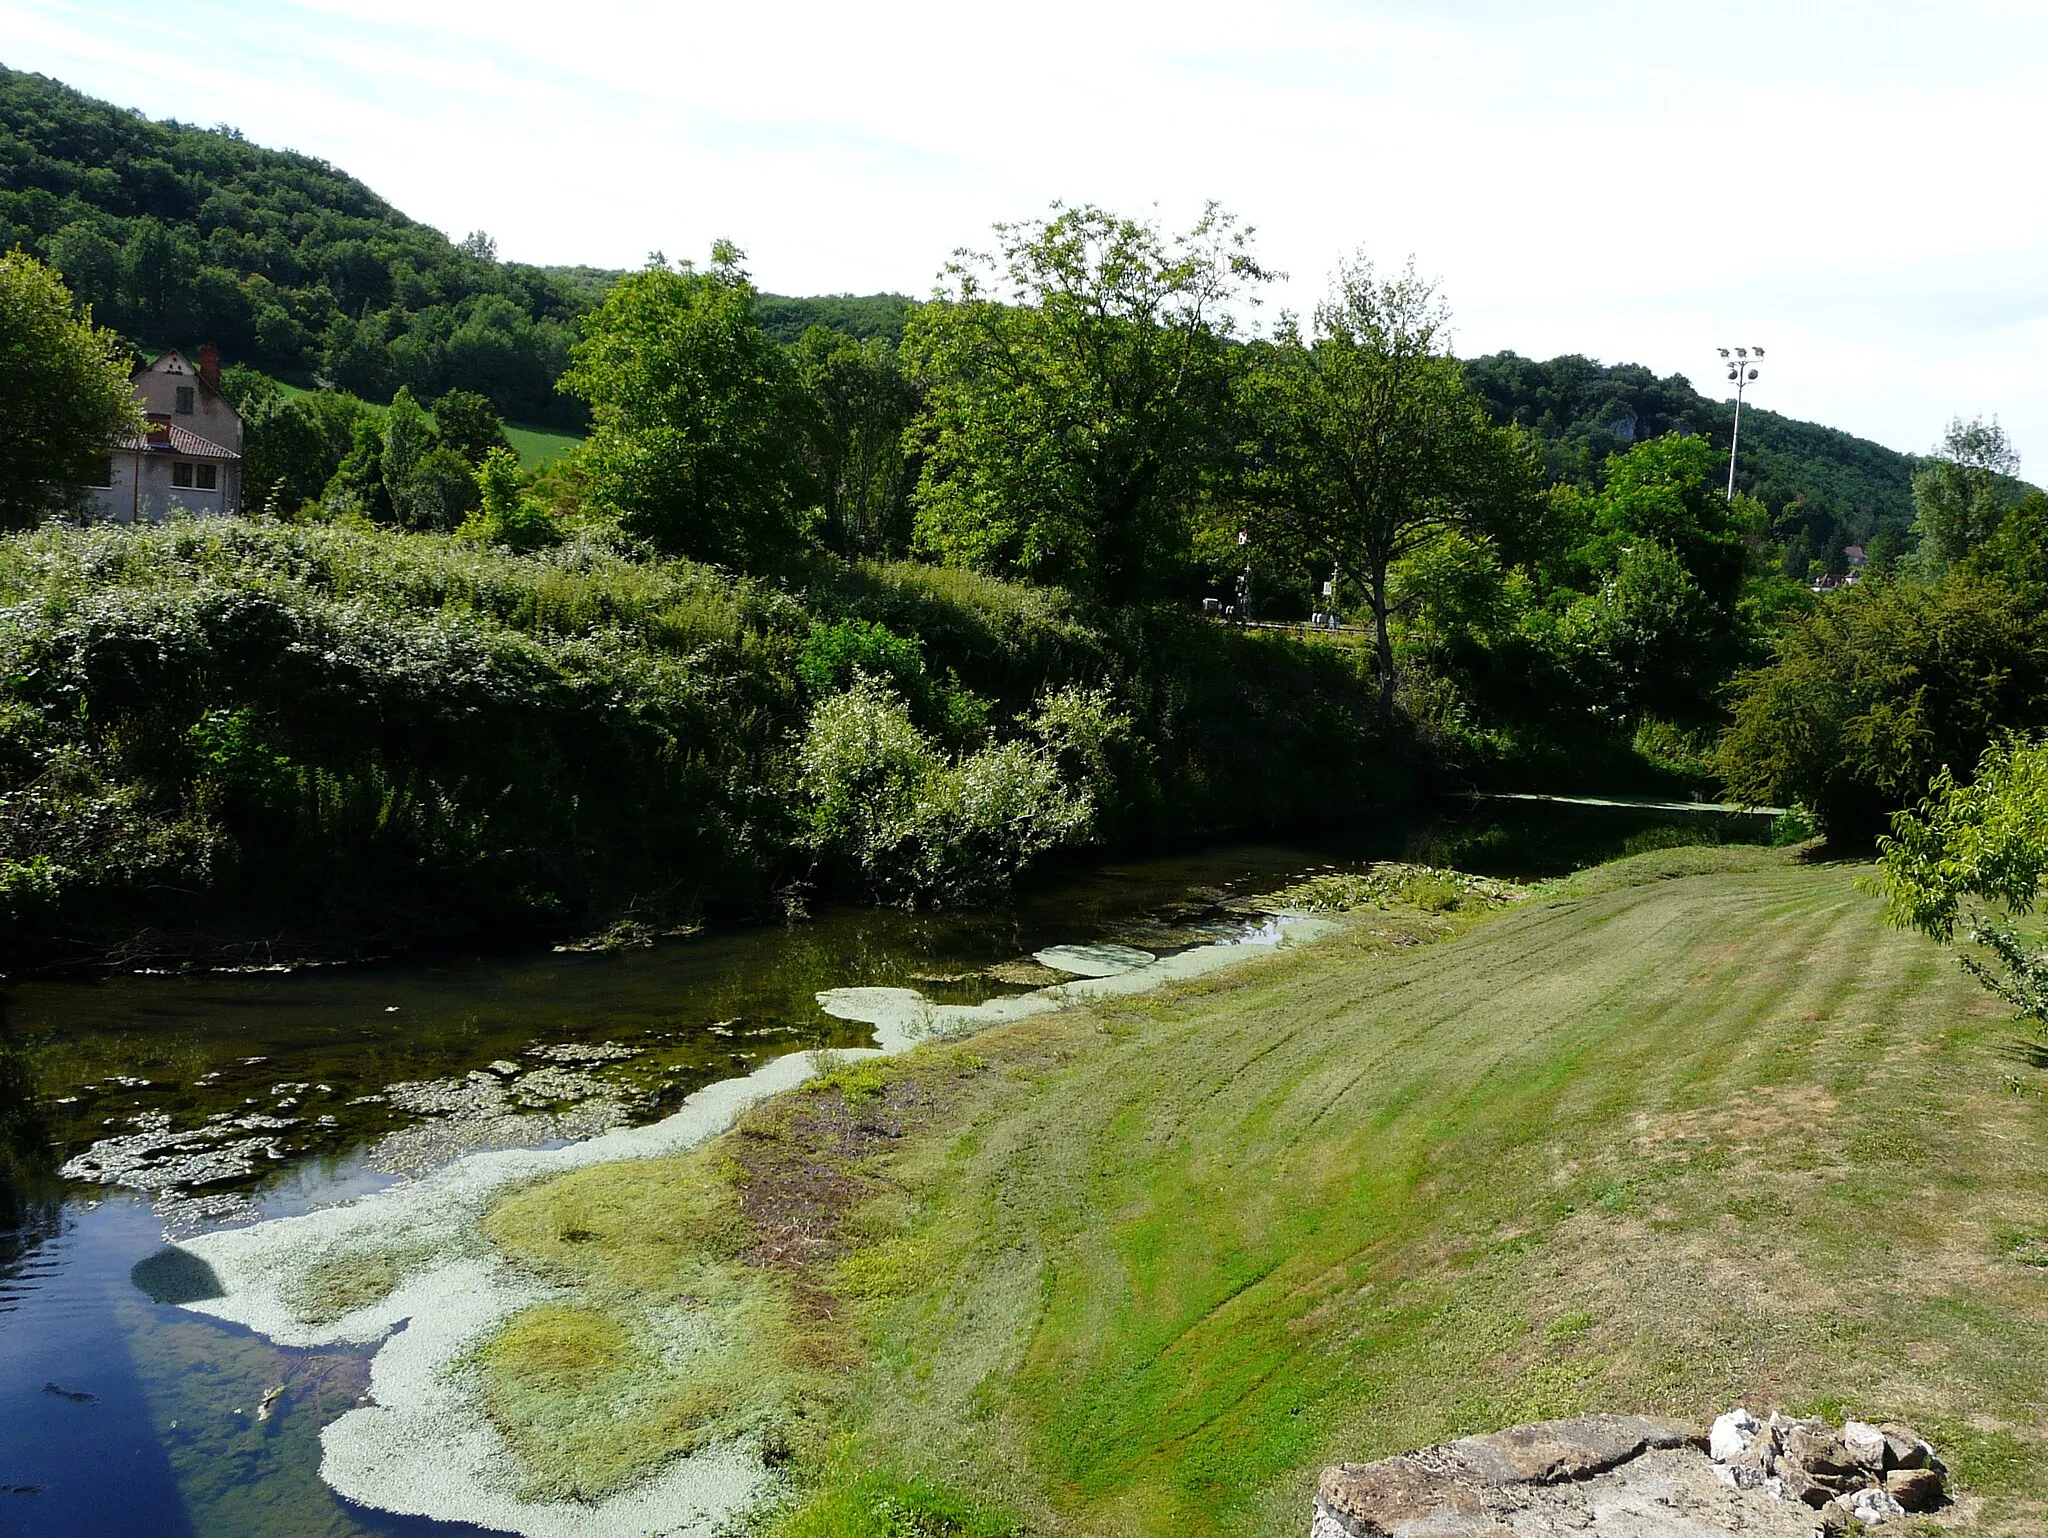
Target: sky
[(1857, 187)]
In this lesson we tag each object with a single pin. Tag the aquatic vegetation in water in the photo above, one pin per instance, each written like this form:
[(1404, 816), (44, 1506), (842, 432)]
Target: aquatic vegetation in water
[(667, 1343), (1390, 884)]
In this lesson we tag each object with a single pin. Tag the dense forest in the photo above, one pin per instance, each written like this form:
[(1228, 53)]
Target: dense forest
[(881, 598), (1825, 490)]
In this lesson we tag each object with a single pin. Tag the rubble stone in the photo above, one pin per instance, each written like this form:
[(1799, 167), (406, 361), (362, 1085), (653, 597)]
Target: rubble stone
[(1914, 1489), (1865, 1444)]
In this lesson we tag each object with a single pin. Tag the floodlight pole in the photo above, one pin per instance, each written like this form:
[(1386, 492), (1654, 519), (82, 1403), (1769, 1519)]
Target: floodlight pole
[(1741, 369)]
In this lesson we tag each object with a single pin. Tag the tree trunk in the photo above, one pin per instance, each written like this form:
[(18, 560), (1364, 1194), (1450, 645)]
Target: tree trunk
[(1383, 642)]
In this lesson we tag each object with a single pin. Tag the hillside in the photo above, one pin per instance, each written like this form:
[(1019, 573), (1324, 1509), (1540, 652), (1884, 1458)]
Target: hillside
[(176, 234), (1826, 489), (172, 232)]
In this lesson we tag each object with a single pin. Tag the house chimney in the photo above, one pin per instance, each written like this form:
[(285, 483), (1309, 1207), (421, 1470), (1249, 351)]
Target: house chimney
[(209, 364)]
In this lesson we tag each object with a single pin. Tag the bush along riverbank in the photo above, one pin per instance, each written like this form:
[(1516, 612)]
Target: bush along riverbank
[(243, 741)]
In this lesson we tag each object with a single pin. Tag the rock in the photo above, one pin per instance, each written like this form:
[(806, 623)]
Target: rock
[(1732, 1434), (1865, 1444), (1756, 1465), (1871, 1506), (1903, 1448), (1450, 1485), (1549, 1451), (1832, 1520), (1819, 1451), (1914, 1489)]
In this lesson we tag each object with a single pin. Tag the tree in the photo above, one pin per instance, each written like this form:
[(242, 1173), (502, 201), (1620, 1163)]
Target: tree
[(1877, 690), (64, 394), (1375, 445), (291, 444), (1077, 394), (506, 514), (698, 416), (862, 402), (1986, 840), (469, 424), (1964, 493)]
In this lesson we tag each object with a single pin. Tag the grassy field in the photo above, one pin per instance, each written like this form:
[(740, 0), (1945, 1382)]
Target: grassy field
[(538, 447), (1697, 1128)]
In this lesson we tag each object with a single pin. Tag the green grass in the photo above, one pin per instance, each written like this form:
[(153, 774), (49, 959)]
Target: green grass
[(671, 1343), (539, 447), (1695, 1128)]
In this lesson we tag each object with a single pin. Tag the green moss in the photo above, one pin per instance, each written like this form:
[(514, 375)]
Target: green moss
[(670, 1341), (340, 1284)]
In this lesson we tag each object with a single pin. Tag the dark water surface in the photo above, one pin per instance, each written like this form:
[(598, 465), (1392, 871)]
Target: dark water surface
[(217, 1098)]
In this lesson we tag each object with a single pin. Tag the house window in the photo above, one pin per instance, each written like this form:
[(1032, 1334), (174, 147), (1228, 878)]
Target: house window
[(181, 473), (205, 477), (184, 406), (102, 471)]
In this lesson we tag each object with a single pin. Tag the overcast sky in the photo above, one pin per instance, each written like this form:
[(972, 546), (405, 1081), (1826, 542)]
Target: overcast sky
[(1857, 186)]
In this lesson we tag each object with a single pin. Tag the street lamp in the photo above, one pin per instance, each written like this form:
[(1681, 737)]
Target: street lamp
[(1741, 370)]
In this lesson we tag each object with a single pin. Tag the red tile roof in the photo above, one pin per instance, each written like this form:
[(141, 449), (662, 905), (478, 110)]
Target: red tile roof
[(189, 444)]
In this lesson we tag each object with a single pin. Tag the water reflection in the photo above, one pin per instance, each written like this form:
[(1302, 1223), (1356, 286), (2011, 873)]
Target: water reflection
[(31, 1198)]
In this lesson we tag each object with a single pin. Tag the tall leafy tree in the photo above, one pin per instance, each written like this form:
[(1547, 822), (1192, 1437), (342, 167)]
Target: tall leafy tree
[(1374, 445), (1963, 494), (1077, 386), (862, 402), (64, 394), (698, 415)]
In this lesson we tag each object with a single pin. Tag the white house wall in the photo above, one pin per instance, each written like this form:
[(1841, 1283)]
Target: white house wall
[(157, 500)]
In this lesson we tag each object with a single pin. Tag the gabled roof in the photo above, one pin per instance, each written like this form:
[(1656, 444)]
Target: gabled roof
[(181, 441), (191, 371)]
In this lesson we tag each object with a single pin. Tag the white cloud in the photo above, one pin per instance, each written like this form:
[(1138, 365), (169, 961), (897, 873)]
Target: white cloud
[(1853, 184)]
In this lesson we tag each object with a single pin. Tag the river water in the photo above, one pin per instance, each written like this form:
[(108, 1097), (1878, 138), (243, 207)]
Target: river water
[(139, 1109)]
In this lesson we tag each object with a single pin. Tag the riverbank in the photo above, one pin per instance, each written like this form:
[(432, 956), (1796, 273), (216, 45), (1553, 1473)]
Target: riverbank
[(1692, 1128)]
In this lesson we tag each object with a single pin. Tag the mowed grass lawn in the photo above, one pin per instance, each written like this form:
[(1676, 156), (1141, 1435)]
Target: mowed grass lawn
[(1654, 1147)]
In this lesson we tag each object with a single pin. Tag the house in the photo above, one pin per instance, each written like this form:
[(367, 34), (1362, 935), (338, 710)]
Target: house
[(188, 459)]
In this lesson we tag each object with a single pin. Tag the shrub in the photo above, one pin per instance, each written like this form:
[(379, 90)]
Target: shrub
[(1878, 689), (885, 801)]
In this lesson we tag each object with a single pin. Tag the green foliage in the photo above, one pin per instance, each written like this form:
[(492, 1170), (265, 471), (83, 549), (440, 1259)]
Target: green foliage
[(696, 415), (1963, 494), (1076, 397), (862, 317), (175, 233), (339, 730), (292, 446), (877, 1504), (862, 404), (1874, 692), (467, 423), (1823, 490), (884, 802), (506, 514), (836, 655), (1376, 446), (64, 394), (430, 484), (1985, 840)]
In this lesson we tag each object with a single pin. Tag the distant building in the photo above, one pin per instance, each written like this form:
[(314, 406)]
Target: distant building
[(189, 457), (1855, 557)]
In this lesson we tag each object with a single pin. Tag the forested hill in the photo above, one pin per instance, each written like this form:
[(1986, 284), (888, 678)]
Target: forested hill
[(1825, 488), (177, 234), (174, 233)]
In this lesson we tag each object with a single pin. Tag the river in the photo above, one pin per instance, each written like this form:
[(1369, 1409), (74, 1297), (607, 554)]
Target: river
[(143, 1108)]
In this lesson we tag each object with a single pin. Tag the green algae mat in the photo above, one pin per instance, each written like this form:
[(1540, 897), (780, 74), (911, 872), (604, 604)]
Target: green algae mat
[(1691, 1129)]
